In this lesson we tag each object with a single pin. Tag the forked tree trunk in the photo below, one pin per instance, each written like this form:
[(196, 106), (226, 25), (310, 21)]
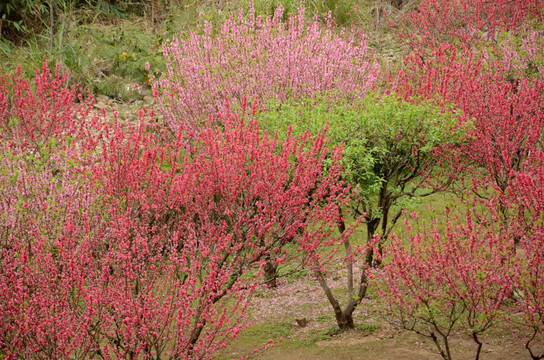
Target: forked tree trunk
[(344, 321), (344, 317)]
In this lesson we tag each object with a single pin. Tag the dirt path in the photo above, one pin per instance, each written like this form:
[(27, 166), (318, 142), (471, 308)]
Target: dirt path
[(373, 339)]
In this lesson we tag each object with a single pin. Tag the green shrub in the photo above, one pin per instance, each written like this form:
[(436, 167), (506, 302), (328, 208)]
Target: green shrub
[(392, 148)]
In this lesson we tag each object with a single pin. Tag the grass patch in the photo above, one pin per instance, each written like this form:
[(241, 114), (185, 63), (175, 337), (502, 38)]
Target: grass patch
[(257, 335), (369, 328)]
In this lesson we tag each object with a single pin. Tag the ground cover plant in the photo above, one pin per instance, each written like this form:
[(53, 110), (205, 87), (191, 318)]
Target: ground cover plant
[(276, 172)]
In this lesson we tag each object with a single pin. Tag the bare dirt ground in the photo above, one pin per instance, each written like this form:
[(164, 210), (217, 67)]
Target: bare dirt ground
[(276, 312)]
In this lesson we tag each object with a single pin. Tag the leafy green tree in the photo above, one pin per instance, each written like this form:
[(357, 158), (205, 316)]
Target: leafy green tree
[(393, 153), (392, 149)]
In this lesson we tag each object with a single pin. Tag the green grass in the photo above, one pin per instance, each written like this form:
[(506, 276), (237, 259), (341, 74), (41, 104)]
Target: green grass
[(370, 328), (255, 336)]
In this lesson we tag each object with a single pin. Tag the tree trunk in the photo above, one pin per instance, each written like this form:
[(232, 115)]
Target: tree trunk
[(270, 273), (371, 227), (344, 321), (479, 350)]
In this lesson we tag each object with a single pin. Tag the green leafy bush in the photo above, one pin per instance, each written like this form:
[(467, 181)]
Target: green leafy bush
[(392, 148)]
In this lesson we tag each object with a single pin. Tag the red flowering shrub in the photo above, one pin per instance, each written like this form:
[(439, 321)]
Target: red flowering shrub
[(439, 282), (434, 22), (527, 199), (32, 115), (49, 228), (119, 244), (507, 113), (201, 221), (498, 86)]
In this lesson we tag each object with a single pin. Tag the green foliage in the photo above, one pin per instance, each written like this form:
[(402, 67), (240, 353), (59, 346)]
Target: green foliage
[(114, 52), (343, 12), (323, 318), (106, 59), (389, 144), (24, 18), (369, 327), (105, 56), (374, 133), (20, 15)]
